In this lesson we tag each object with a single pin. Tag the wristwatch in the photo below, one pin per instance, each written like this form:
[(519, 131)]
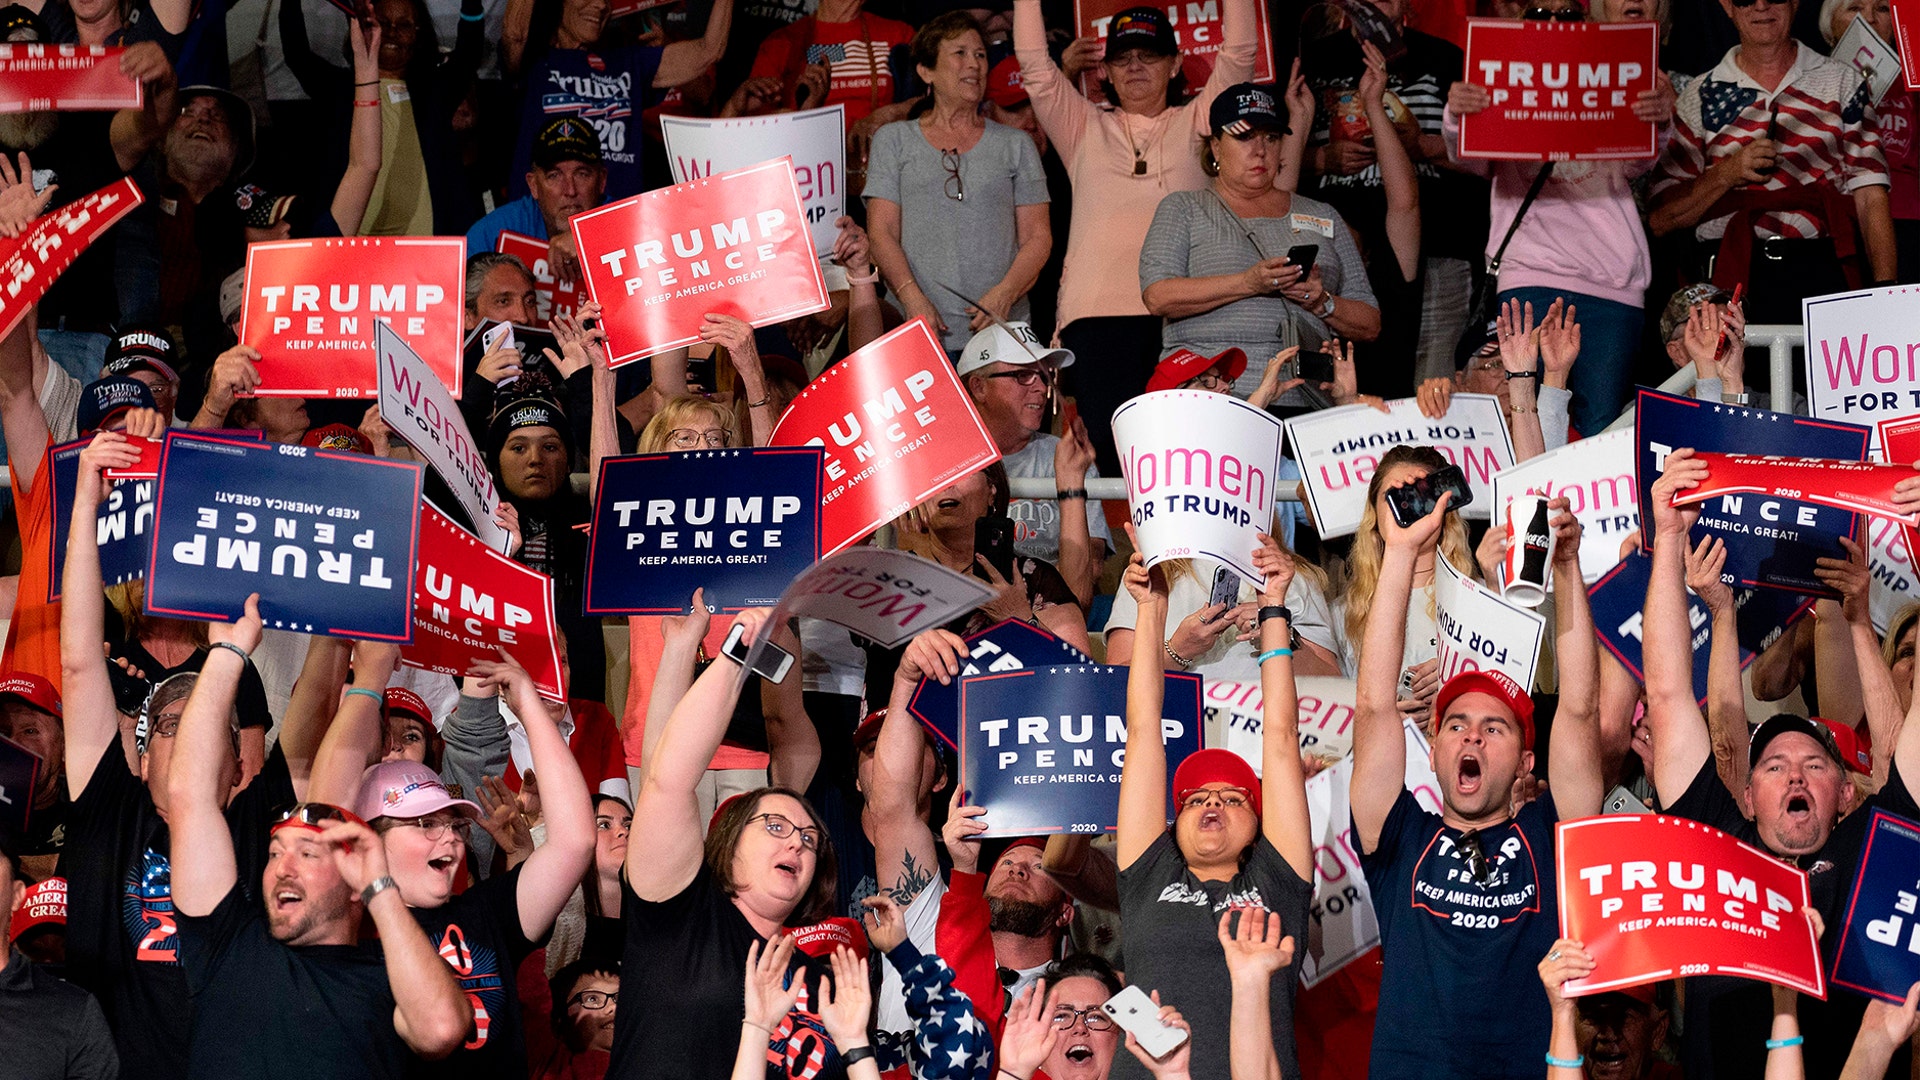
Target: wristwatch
[(1327, 311), (375, 888), (1276, 611)]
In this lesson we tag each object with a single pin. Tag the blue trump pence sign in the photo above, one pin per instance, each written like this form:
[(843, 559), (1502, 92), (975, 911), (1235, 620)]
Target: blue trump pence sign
[(1042, 748), (1880, 941), (327, 539), (1009, 645)]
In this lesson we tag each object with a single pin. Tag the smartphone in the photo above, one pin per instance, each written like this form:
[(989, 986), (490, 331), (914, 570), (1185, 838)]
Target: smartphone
[(1226, 588), (774, 661), (1136, 1014), (993, 538), (1302, 256), (1315, 367), (1622, 801), (1411, 502)]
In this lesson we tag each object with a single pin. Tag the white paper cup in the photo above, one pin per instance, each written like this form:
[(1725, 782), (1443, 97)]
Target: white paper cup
[(1524, 572)]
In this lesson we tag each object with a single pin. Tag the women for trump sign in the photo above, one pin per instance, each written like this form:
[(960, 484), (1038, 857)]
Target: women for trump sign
[(1200, 471), (1339, 449)]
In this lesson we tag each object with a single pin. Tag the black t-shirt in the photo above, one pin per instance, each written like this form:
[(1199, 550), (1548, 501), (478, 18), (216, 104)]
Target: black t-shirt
[(1168, 916), (121, 926), (1045, 588), (1725, 1017), (79, 157), (686, 962), (267, 1010), (478, 934), (1460, 994), (47, 825), (1453, 205)]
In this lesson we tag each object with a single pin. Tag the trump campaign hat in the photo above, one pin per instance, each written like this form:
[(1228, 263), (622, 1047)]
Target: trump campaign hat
[(402, 700), (45, 905), (104, 399), (1841, 742), (260, 208), (406, 789), (1247, 107), (337, 437), (820, 939), (1183, 365), (1008, 343), (1005, 85), (32, 689), (1215, 766), (1495, 685), (1141, 28), (566, 138), (141, 348)]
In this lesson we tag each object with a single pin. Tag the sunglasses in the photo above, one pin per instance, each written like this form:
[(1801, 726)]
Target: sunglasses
[(1476, 857), (312, 815), (1574, 14)]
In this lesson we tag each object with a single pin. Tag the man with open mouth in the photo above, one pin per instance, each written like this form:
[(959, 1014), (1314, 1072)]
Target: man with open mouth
[(1466, 897), (1800, 806)]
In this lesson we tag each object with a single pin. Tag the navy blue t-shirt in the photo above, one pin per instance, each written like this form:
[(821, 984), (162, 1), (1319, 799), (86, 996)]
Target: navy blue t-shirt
[(605, 87), (1460, 992)]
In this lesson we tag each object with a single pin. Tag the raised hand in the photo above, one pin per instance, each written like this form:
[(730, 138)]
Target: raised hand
[(1277, 567), (1029, 1035), (1705, 562), (933, 654), (769, 998), (885, 923), (244, 632), (1848, 576), (846, 1002), (961, 833), (1566, 961), (1258, 947), (358, 854), (501, 816), (1684, 472)]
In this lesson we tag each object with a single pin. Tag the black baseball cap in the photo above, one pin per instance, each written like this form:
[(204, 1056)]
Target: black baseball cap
[(15, 18), (1141, 28), (141, 348), (104, 399), (1825, 732), (566, 138), (1245, 107)]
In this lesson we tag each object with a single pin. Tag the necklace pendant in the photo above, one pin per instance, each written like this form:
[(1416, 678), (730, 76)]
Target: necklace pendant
[(1139, 167)]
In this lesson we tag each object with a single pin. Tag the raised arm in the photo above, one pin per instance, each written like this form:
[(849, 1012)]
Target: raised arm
[(1680, 740), (793, 744), (681, 636), (1878, 698), (1080, 554), (22, 421), (1397, 178), (683, 61), (555, 868), (1379, 747), (1520, 352), (904, 859), (1726, 700), (1063, 111), (133, 132), (1143, 777), (1283, 781), (664, 857), (355, 190), (358, 733), (1257, 952), (90, 720), (204, 869), (1574, 758), (865, 320)]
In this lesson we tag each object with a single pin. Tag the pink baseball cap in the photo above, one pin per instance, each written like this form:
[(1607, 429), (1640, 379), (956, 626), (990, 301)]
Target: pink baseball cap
[(405, 789)]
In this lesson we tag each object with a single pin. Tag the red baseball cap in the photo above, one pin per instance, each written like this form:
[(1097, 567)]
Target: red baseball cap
[(868, 732), (1185, 364), (401, 699), (820, 939), (45, 905), (1215, 766), (337, 437), (31, 689), (1005, 87), (1495, 685)]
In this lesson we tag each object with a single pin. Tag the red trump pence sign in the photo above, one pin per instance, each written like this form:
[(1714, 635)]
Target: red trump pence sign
[(1702, 904), (552, 296), (46, 78), (469, 600), (897, 427), (1197, 30), (30, 262), (735, 243), (310, 307), (1560, 90)]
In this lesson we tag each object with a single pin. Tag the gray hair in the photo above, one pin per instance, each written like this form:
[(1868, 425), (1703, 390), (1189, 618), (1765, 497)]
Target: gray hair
[(482, 264), (173, 688)]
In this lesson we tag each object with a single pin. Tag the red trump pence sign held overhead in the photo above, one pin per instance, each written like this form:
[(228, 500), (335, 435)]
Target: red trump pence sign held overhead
[(735, 243), (65, 78), (468, 601), (1560, 90), (310, 306), (30, 262)]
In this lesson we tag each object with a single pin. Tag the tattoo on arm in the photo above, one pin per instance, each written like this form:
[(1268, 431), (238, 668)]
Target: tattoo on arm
[(913, 878)]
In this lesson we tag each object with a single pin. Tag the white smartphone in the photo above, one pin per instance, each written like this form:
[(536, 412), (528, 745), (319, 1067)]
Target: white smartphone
[(1136, 1013), (774, 661), (497, 337)]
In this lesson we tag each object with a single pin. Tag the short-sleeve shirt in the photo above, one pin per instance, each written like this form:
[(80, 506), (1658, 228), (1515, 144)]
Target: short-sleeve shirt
[(858, 54), (1828, 134), (957, 244), (267, 1010), (1723, 1014), (1194, 235), (123, 939), (1189, 590), (1461, 941), (605, 87), (690, 951), (1168, 920), (1036, 522), (478, 934)]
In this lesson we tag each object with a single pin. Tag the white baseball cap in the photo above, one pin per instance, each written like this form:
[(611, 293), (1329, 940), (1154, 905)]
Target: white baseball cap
[(1009, 343)]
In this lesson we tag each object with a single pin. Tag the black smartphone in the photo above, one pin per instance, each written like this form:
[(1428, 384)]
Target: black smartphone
[(993, 538), (1411, 502), (1315, 367), (1302, 256)]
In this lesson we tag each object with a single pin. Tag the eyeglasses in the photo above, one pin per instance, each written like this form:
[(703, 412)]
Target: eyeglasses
[(593, 1000), (313, 815), (782, 828), (1027, 377), (1231, 798), (688, 438), (1476, 857), (434, 828), (166, 725), (956, 187), (1066, 1016), (1573, 14), (1211, 380), (1133, 58)]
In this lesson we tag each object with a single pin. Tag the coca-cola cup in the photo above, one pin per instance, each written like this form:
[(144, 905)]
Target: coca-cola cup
[(1523, 573)]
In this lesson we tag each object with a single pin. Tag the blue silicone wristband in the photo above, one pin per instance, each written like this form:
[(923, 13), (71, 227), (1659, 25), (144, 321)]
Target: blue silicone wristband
[(1566, 1063), (1782, 1044), (1271, 653), (381, 698)]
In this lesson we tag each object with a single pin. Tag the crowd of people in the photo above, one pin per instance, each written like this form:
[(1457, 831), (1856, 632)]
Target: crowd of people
[(676, 872)]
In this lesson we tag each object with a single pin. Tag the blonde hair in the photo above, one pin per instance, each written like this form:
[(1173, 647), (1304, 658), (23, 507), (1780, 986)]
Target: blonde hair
[(677, 412), (1303, 569), (1369, 548), (129, 598)]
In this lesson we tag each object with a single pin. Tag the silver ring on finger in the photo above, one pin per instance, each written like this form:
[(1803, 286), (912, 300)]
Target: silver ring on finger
[(1554, 955)]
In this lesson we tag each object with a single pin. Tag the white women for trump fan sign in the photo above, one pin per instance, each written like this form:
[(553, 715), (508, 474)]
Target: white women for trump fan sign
[(1339, 449), (1200, 472)]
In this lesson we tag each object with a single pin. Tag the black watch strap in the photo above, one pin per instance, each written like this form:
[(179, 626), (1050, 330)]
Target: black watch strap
[(1276, 611)]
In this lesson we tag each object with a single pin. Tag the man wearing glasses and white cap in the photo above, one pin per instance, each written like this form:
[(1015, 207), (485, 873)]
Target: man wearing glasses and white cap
[(1010, 375)]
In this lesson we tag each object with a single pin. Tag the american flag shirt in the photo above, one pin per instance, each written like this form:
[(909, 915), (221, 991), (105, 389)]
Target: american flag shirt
[(1827, 134)]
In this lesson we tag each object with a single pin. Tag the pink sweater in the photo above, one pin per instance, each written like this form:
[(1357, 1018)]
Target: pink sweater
[(1583, 234), (1112, 207)]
